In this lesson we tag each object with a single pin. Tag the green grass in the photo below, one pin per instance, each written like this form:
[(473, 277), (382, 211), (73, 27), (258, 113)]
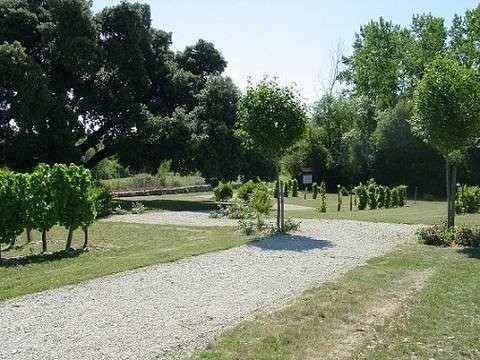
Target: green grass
[(421, 212), (370, 313), (115, 247), (174, 202), (145, 181)]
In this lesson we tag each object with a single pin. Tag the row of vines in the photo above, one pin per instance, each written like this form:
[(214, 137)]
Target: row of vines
[(376, 196), (62, 195)]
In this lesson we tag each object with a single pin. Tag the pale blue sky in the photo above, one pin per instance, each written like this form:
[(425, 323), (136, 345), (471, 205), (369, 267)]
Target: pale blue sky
[(292, 40)]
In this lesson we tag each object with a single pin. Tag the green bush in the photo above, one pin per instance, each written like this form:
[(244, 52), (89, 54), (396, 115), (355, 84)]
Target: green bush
[(42, 205), (381, 196), (223, 192), (314, 190), (395, 197), (372, 196), (468, 200), (72, 196), (103, 198), (440, 235), (11, 216), (388, 197), (322, 190), (402, 195), (245, 190), (261, 199), (362, 196), (287, 186), (294, 188)]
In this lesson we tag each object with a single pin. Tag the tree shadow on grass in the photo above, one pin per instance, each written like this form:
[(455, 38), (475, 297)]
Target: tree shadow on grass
[(168, 204), (473, 252), (40, 258), (297, 243)]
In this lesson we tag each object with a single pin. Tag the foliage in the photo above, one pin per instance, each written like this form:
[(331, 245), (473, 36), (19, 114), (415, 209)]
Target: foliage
[(388, 197), (294, 188), (339, 198), (223, 191), (237, 209), (292, 225), (261, 199), (381, 197), (103, 198), (75, 203), (372, 196), (138, 208), (287, 186), (468, 200), (395, 197), (447, 106), (362, 196), (245, 190), (322, 190), (402, 194), (272, 118), (314, 190), (42, 203), (11, 214), (440, 235)]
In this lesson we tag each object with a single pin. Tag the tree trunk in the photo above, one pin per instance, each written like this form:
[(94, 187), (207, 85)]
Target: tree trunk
[(44, 241), (29, 236), (85, 241), (69, 239), (451, 192), (282, 209)]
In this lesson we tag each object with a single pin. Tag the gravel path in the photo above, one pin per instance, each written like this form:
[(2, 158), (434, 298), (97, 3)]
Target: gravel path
[(160, 310)]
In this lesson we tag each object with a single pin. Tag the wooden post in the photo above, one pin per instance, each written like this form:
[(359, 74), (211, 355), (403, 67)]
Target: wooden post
[(351, 198)]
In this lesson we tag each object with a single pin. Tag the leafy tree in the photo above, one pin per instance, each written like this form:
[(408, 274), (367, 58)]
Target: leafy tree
[(82, 87), (272, 118), (401, 157), (464, 38), (376, 67), (42, 205), (447, 114)]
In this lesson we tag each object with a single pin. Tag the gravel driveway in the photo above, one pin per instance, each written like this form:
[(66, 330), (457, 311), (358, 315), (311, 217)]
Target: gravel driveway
[(161, 310)]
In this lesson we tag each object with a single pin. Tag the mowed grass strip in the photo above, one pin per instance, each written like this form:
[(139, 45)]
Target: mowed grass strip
[(115, 247), (421, 212), (417, 302)]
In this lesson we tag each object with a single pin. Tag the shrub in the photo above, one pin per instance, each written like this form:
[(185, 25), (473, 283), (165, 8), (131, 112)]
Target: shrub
[(71, 194), (237, 209), (432, 235), (372, 196), (468, 200), (314, 190), (294, 188), (402, 194), (287, 187), (246, 190), (291, 225), (362, 195), (223, 192), (381, 196), (395, 197), (119, 210), (103, 198), (275, 193), (11, 217), (138, 208), (261, 200), (323, 197), (388, 197), (339, 199)]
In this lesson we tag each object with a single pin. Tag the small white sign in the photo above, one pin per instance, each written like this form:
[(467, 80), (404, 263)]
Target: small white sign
[(307, 179)]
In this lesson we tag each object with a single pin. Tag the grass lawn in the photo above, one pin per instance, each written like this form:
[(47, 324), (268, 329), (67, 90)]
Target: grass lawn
[(115, 247), (423, 212), (145, 181), (417, 302)]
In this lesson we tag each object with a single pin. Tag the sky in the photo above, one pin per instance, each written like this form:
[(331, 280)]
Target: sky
[(290, 40)]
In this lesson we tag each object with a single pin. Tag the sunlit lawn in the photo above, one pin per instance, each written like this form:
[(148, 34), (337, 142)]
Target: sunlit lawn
[(115, 247), (374, 312)]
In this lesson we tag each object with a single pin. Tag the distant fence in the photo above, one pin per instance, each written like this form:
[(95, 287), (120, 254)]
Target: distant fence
[(164, 191)]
